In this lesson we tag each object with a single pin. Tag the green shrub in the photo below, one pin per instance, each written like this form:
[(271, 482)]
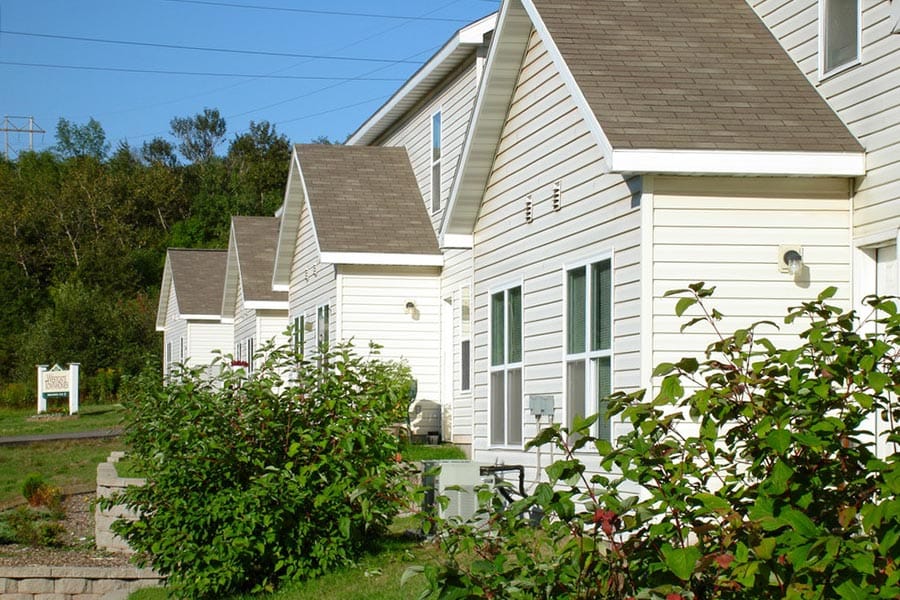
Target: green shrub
[(17, 395), (30, 528), (775, 492), (257, 479)]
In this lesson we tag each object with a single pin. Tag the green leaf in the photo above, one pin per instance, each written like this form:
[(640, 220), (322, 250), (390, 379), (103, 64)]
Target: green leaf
[(410, 572), (681, 561), (779, 440), (683, 304), (799, 522)]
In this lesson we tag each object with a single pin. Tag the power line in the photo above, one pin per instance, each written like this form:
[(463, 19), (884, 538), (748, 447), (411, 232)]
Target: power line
[(320, 12), (198, 73), (205, 48)]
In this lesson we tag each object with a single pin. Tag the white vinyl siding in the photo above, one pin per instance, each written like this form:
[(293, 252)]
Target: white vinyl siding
[(506, 367), (205, 340), (545, 141), (373, 303), (726, 232), (866, 98), (455, 100), (456, 283)]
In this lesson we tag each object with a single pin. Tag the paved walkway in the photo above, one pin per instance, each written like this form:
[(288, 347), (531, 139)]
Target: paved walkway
[(50, 437)]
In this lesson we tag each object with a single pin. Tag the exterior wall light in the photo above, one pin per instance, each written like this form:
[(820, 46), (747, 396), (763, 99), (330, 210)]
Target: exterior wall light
[(790, 260), (411, 310)]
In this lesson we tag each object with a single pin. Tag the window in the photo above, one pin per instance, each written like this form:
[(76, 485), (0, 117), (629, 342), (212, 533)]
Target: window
[(465, 345), (506, 367), (589, 342), (436, 162), (299, 334), (168, 353), (249, 355), (181, 359), (322, 325), (839, 34)]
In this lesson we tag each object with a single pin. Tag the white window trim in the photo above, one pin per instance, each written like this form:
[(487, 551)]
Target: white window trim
[(439, 162), (466, 336), (588, 354), (823, 75), (505, 367), (319, 307)]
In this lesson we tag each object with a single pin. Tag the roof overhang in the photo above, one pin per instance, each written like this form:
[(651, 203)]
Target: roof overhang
[(386, 259), (456, 51), (294, 198), (739, 163), (201, 317), (266, 304)]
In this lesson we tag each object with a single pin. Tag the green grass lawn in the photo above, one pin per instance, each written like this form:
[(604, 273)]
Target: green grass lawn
[(18, 421), (375, 577), (63, 463), (420, 452)]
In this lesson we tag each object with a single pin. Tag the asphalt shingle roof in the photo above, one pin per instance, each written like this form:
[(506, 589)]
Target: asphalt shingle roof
[(256, 239), (365, 199), (690, 75), (199, 280)]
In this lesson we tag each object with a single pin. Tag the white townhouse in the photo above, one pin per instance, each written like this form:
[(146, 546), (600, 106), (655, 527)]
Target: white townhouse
[(190, 308), (850, 51), (358, 256), (620, 149), (258, 313), (429, 116)]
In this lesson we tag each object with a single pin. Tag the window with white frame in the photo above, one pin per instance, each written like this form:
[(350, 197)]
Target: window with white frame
[(465, 344), (250, 355), (588, 360), (181, 359), (506, 367), (839, 34), (323, 325), (436, 162)]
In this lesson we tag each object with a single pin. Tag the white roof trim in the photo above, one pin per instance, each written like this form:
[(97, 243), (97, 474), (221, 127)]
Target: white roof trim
[(266, 304), (281, 272), (469, 36), (722, 162), (372, 258), (281, 287), (200, 317), (460, 241)]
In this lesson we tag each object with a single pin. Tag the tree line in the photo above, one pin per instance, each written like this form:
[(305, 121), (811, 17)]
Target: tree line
[(84, 231)]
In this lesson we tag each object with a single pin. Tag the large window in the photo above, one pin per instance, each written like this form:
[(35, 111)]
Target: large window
[(436, 162), (840, 31), (300, 334), (589, 342), (506, 367)]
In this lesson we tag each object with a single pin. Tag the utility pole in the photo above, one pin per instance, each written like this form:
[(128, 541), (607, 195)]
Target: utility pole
[(13, 124)]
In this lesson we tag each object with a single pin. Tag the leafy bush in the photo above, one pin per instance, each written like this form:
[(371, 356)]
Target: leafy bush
[(17, 395), (30, 528), (254, 479), (771, 489), (38, 492)]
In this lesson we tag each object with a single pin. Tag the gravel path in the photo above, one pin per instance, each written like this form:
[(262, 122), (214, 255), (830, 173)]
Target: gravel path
[(78, 549)]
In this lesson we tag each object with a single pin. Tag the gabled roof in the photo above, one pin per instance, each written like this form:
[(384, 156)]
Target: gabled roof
[(681, 86), (454, 53), (198, 277), (365, 206), (251, 259)]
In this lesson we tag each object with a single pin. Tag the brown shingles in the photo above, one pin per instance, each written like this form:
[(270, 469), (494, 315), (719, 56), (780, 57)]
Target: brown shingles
[(256, 239), (199, 280), (689, 74), (365, 199)]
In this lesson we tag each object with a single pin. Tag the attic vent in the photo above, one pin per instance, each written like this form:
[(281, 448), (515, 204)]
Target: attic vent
[(557, 195), (529, 209)]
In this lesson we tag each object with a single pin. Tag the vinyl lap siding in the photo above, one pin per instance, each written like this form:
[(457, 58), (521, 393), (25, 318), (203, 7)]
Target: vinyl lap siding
[(866, 97), (726, 232), (206, 341), (545, 140), (456, 278), (312, 282), (455, 101)]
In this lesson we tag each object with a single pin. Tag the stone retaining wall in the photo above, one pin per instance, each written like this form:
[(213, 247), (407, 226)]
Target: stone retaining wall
[(109, 483), (73, 583)]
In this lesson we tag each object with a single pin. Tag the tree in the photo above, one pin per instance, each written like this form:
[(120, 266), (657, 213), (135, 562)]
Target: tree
[(258, 162), (199, 134), (159, 151), (74, 140)]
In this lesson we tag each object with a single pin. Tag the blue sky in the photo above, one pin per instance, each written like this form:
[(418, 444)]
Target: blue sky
[(304, 97)]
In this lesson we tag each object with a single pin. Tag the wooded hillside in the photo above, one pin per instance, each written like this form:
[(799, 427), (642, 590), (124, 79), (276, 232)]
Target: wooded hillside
[(84, 231)]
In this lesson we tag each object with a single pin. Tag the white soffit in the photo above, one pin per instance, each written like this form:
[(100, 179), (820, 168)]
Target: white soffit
[(721, 162)]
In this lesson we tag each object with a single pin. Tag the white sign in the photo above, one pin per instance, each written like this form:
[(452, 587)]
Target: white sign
[(57, 381)]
